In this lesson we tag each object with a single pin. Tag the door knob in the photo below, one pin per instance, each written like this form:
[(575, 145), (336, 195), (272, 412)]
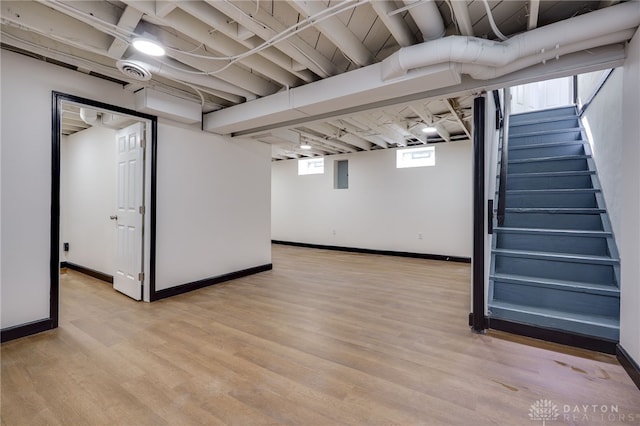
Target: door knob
[(113, 217)]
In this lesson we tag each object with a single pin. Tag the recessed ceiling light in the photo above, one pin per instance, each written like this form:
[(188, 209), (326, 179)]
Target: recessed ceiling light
[(429, 129), (305, 146), (148, 46)]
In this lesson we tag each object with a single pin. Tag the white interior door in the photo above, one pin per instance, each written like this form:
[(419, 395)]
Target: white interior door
[(542, 95), (129, 211)]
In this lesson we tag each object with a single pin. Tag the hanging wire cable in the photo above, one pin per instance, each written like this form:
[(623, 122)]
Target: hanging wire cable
[(118, 32), (494, 27)]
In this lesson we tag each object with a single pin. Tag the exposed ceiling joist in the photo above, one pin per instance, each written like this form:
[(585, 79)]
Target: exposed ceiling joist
[(267, 26), (127, 22), (534, 8), (333, 29), (453, 107), (394, 22)]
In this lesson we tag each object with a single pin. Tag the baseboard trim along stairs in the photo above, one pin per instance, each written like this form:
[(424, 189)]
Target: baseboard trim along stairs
[(554, 262)]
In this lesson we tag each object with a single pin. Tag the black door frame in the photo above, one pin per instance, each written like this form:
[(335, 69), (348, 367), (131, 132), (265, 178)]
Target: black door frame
[(57, 98)]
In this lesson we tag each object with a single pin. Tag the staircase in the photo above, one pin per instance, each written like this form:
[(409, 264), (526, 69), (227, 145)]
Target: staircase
[(554, 261)]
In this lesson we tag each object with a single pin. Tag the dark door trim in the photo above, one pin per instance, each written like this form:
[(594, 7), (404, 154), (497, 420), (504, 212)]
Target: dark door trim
[(57, 98), (477, 319)]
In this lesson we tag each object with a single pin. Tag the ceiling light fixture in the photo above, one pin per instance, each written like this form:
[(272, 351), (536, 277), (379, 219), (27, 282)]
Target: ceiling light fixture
[(305, 146), (429, 129), (148, 46)]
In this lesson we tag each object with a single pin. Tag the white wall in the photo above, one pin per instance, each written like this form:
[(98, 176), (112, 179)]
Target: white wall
[(384, 208), (26, 190), (87, 198), (629, 239), (213, 205), (604, 119), (26, 176)]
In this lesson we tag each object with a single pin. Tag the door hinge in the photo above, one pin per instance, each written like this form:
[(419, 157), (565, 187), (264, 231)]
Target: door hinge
[(143, 143), (141, 276), (141, 209)]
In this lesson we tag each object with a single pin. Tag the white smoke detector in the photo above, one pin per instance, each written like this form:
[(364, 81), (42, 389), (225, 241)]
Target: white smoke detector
[(134, 70)]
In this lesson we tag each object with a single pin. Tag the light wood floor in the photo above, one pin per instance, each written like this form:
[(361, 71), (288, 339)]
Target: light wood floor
[(325, 338)]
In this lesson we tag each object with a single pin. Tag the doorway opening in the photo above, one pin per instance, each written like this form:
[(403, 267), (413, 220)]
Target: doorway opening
[(103, 195)]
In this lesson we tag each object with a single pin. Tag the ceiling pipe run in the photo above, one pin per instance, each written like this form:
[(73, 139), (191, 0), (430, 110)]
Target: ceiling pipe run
[(473, 50), (434, 65), (173, 71), (483, 72), (427, 17)]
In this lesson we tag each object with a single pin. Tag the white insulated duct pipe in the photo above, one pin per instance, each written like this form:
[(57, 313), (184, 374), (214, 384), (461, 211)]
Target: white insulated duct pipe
[(483, 72), (427, 17), (209, 82), (472, 50)]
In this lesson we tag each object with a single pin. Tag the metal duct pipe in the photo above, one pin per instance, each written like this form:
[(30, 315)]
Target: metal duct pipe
[(472, 50), (173, 71), (427, 17), (483, 72)]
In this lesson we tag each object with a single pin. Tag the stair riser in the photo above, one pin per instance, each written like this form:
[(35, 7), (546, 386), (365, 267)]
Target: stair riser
[(549, 182), (539, 115), (568, 123), (554, 323), (553, 243), (549, 166), (547, 151), (551, 200), (552, 298), (560, 270), (587, 222), (573, 135)]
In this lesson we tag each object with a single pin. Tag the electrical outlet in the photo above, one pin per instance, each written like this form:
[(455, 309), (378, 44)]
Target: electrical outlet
[(66, 246)]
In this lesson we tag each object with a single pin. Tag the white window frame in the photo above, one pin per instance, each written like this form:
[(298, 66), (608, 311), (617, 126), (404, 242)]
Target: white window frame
[(423, 156), (311, 166)]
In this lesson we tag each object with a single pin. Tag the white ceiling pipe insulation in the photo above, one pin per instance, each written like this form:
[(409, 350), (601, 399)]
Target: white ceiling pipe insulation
[(483, 72), (233, 93), (427, 17), (373, 84), (472, 50)]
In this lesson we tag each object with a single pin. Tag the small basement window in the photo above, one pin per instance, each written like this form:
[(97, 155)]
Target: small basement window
[(416, 157), (341, 180), (311, 166)]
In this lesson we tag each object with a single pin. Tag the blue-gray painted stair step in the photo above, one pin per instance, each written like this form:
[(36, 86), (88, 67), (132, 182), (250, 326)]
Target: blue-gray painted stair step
[(564, 298), (558, 123), (550, 180), (554, 218), (573, 267), (542, 114), (585, 197), (554, 240), (589, 325), (582, 287), (549, 164), (523, 119), (559, 135), (547, 150), (552, 263)]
